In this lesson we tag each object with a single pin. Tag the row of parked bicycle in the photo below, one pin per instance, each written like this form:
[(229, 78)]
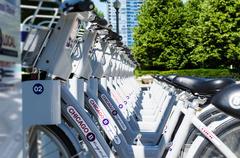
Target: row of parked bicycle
[(104, 111)]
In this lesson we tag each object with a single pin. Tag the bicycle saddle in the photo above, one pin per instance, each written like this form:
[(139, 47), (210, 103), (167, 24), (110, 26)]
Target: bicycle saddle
[(127, 50), (119, 44), (228, 100), (100, 21), (169, 79), (77, 6), (114, 36), (200, 86), (158, 77)]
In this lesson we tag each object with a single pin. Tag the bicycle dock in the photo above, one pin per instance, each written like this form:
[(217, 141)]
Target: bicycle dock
[(82, 100)]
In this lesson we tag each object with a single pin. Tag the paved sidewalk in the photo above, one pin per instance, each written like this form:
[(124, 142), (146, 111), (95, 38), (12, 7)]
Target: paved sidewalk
[(11, 122)]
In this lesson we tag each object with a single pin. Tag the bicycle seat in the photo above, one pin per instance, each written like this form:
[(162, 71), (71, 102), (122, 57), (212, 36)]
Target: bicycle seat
[(200, 86), (77, 6), (119, 44), (158, 77), (228, 100), (114, 36), (100, 21), (169, 79)]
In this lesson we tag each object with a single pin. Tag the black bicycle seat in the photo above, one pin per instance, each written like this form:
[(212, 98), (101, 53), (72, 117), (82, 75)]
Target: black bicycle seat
[(158, 77), (114, 36), (169, 79), (100, 21), (188, 83), (80, 6), (228, 100), (119, 43), (200, 86)]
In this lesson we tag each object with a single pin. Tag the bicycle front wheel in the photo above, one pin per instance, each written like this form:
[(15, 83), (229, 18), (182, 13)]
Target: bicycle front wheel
[(229, 133), (49, 142)]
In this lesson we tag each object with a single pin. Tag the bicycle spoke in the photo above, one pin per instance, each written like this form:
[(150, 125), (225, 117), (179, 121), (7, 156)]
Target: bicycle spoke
[(46, 145)]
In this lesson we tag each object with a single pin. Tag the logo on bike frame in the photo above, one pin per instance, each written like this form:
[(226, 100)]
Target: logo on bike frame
[(120, 106), (96, 108), (105, 121), (114, 112), (234, 101), (38, 88), (90, 136)]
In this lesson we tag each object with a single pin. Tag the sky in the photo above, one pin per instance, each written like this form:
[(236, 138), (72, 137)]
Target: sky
[(101, 6)]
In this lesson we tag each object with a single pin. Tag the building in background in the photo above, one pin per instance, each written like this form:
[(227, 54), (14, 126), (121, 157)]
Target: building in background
[(122, 18), (127, 18), (133, 7)]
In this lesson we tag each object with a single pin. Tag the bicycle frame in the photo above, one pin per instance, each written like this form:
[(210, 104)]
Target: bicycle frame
[(121, 131), (190, 118), (76, 115)]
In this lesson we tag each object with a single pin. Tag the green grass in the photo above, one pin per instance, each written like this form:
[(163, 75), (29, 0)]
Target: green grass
[(209, 73)]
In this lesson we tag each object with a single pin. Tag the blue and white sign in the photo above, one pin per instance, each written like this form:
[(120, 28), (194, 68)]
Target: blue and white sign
[(38, 88)]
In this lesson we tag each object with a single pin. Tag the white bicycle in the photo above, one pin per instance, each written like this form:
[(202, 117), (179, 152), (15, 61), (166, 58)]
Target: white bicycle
[(80, 136)]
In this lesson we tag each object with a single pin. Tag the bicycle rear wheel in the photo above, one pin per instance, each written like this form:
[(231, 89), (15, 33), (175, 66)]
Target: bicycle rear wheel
[(49, 142), (206, 118), (229, 133)]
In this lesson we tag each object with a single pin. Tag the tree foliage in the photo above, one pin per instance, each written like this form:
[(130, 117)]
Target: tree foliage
[(99, 13), (197, 34)]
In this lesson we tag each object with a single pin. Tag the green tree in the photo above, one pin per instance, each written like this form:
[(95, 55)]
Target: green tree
[(190, 16), (218, 34), (98, 12), (198, 34), (172, 56), (158, 21), (144, 35)]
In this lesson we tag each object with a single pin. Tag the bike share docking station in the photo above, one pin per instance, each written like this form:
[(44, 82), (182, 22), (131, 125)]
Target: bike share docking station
[(82, 96), (41, 100)]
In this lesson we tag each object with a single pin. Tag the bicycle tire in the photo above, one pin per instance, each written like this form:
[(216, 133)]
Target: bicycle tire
[(226, 132), (207, 117), (194, 132), (60, 139)]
